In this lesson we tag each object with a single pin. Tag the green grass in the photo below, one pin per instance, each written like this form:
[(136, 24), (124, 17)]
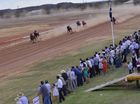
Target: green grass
[(110, 95), (28, 82)]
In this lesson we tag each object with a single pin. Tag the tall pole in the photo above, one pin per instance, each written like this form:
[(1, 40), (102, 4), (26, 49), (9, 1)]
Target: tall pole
[(112, 30), (111, 22)]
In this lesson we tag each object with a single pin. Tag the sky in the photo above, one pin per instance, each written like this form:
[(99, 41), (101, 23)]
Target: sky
[(12, 4)]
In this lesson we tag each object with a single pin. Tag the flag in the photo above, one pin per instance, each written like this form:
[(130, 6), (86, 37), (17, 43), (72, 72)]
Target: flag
[(110, 10), (110, 13)]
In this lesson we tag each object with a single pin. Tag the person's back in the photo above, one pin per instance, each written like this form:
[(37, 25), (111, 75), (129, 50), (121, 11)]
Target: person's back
[(44, 91), (96, 61), (72, 75), (24, 100), (48, 87), (65, 76), (45, 94)]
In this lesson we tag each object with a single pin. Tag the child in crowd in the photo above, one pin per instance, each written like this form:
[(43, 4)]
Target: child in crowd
[(55, 94), (130, 67)]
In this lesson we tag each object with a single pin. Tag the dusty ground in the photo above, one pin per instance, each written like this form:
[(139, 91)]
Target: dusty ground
[(17, 58)]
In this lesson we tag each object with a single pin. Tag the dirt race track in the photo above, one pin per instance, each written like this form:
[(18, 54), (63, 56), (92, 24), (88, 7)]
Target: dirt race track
[(15, 59)]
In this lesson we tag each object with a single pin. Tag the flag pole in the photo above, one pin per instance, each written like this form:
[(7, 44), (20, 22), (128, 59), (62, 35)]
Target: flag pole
[(111, 22), (112, 30)]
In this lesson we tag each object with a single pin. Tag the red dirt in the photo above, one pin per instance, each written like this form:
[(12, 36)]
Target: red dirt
[(15, 59)]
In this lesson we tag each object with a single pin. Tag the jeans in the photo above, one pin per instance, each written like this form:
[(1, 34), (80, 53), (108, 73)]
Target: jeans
[(47, 100)]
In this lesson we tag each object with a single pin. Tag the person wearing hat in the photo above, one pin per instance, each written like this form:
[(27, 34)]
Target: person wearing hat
[(60, 88), (65, 77), (22, 98), (64, 89)]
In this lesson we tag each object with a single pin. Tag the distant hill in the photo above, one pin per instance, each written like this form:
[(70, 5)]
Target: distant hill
[(47, 8), (118, 2)]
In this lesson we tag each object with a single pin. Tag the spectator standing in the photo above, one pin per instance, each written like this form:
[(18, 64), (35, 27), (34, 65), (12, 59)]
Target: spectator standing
[(73, 79), (60, 89), (104, 65), (100, 66), (22, 99), (85, 74), (130, 67), (55, 93), (45, 93), (49, 89)]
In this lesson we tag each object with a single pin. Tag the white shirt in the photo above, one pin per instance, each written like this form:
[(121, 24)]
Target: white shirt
[(131, 47), (107, 50), (23, 100), (55, 91), (128, 42), (136, 46), (130, 66), (72, 75), (112, 53), (68, 73), (97, 55), (18, 102), (89, 63), (59, 83), (48, 87), (122, 48), (92, 62), (81, 66), (124, 45)]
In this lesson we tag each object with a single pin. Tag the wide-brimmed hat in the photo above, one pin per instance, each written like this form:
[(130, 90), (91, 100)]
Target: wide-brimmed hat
[(62, 71), (59, 75), (20, 94)]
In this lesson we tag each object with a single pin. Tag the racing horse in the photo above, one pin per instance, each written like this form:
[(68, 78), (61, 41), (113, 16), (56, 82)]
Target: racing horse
[(69, 29), (84, 23), (114, 20), (34, 36), (78, 23)]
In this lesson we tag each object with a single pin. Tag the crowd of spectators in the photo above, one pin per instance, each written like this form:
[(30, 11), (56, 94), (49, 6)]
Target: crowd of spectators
[(110, 57)]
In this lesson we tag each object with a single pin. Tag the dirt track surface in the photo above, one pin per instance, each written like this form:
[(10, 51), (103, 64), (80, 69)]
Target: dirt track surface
[(15, 59)]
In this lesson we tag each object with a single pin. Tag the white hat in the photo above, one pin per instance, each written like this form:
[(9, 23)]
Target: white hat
[(20, 94), (62, 71), (59, 75)]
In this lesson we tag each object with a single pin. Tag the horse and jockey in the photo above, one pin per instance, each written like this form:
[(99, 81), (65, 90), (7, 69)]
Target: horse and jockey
[(78, 23), (81, 23), (69, 29), (34, 36), (84, 23), (113, 20)]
